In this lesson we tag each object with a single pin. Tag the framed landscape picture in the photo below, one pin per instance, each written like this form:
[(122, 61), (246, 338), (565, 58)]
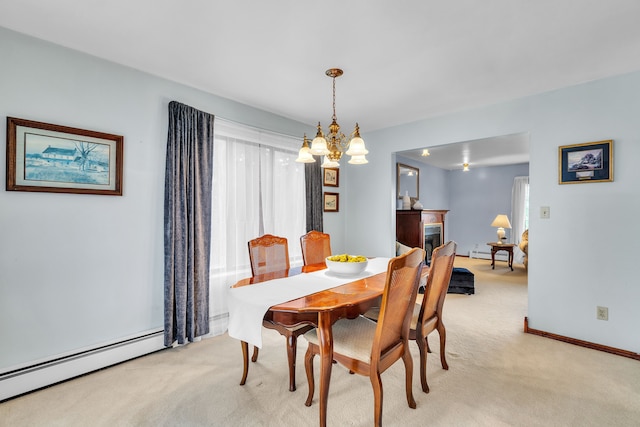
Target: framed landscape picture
[(331, 177), (582, 163), (331, 202), (57, 159)]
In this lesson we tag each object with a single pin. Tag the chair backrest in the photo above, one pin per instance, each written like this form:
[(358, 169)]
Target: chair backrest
[(438, 281), (268, 253), (398, 299), (316, 246)]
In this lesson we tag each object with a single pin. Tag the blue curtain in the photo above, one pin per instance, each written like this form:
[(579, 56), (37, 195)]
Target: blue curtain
[(313, 187), (187, 223)]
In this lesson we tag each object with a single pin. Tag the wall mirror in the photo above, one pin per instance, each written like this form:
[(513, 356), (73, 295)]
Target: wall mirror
[(408, 180)]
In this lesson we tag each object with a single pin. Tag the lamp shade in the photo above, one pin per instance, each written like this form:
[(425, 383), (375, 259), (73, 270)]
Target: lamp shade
[(319, 146), (328, 163), (358, 160), (501, 221), (304, 156), (357, 148)]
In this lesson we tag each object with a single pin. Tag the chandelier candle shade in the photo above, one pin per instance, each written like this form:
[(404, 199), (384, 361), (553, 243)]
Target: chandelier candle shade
[(335, 143), (502, 222), (304, 155)]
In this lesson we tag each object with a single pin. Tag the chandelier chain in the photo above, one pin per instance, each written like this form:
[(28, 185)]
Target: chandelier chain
[(334, 99)]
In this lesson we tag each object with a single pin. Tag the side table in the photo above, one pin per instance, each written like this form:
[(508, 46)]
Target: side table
[(496, 247)]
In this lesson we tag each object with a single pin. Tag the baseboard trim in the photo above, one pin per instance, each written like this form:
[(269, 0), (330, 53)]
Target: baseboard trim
[(26, 379), (581, 343)]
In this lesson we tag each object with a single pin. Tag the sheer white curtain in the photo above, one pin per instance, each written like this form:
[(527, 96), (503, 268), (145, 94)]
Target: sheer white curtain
[(258, 188), (519, 213)]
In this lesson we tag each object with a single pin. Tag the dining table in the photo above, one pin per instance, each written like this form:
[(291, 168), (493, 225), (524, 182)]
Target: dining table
[(339, 297)]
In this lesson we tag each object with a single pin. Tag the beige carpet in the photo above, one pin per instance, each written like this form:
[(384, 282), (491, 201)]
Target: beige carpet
[(498, 376)]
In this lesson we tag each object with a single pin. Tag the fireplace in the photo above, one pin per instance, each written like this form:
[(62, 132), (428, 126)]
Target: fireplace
[(432, 238)]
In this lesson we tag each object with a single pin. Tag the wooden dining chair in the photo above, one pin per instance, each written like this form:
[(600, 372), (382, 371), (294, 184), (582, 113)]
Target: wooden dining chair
[(369, 348), (316, 246), (427, 314), (268, 254)]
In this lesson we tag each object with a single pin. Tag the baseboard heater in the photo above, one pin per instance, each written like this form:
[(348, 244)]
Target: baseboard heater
[(20, 380), (500, 256)]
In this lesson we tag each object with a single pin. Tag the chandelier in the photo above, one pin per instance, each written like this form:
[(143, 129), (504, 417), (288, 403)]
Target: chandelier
[(335, 143)]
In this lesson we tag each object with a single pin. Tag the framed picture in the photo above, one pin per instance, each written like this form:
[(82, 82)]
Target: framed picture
[(331, 177), (589, 162), (58, 159), (331, 202)]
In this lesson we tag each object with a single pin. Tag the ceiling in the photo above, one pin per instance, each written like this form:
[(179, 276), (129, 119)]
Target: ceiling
[(403, 60), (486, 152)]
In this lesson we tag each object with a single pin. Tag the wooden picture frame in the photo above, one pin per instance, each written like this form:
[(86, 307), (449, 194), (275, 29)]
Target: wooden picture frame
[(44, 157), (331, 202), (331, 177), (585, 163)]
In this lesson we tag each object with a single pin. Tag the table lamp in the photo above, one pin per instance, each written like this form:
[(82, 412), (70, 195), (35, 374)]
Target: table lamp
[(502, 222)]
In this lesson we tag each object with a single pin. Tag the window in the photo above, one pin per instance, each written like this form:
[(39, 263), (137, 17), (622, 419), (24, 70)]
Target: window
[(258, 188)]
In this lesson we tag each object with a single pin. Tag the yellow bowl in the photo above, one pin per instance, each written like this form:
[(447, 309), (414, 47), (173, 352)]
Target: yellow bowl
[(346, 268)]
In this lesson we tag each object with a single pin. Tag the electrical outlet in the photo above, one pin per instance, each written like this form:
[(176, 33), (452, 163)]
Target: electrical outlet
[(602, 313), (545, 212)]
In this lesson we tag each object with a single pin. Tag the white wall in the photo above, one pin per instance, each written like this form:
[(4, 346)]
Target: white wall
[(434, 184), (81, 271), (477, 196), (584, 255)]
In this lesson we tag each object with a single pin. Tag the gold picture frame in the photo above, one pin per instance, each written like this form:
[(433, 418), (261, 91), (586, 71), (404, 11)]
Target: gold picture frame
[(585, 163)]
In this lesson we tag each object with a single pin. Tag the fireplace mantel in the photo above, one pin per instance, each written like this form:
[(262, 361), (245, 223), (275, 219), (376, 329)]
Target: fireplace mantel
[(410, 225)]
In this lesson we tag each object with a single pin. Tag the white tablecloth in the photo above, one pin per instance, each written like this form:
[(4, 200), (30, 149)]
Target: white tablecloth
[(249, 304)]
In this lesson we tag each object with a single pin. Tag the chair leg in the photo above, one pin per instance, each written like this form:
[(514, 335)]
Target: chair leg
[(254, 358), (408, 368), (245, 361), (292, 343), (426, 343), (443, 340), (308, 367), (422, 347), (376, 383)]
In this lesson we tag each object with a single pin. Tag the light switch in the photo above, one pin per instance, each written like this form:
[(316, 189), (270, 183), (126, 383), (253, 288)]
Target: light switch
[(545, 212)]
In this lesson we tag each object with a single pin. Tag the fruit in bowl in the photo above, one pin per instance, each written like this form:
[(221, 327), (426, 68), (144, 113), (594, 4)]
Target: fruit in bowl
[(346, 264)]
